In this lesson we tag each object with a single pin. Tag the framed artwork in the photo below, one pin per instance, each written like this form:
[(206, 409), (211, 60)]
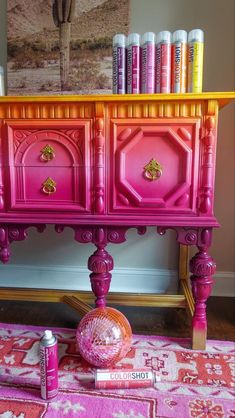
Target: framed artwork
[(62, 46)]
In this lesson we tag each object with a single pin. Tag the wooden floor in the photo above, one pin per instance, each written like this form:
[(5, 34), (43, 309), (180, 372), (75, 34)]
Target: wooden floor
[(157, 321)]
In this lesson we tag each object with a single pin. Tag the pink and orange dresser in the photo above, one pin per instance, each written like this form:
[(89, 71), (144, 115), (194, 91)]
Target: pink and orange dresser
[(104, 164)]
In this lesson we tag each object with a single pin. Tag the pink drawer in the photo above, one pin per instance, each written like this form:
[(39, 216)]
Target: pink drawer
[(48, 164), (154, 165)]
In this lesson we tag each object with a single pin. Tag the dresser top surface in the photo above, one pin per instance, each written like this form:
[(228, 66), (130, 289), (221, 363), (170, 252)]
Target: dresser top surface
[(223, 98)]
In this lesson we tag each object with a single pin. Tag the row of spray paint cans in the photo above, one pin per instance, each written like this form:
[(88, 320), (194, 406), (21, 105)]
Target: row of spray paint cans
[(162, 63)]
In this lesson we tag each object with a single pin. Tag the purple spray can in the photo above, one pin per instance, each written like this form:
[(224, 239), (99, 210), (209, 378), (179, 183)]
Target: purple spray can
[(119, 64), (48, 365), (148, 63), (133, 63)]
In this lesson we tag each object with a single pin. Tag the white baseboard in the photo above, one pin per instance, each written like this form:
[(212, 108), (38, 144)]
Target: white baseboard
[(123, 279)]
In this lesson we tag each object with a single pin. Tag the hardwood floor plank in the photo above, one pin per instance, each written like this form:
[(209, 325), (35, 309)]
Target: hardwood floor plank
[(172, 322)]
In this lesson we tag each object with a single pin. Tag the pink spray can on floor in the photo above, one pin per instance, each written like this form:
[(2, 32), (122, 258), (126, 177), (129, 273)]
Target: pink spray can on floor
[(163, 62), (119, 64), (48, 365), (133, 63), (148, 46)]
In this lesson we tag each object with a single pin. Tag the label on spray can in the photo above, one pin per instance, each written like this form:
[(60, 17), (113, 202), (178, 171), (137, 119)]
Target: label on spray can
[(179, 62), (195, 61), (48, 365), (133, 63), (148, 63), (123, 378), (119, 64), (163, 62)]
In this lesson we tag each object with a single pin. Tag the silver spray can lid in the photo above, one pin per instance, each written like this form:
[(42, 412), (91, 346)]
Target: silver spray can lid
[(148, 37), (196, 35), (179, 35), (119, 40)]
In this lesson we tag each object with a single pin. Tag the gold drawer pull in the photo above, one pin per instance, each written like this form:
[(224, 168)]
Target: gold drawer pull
[(49, 186), (47, 153), (152, 170)]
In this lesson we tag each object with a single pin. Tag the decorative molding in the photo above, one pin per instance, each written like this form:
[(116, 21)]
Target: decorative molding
[(138, 280), (155, 110), (206, 192), (99, 166), (12, 232), (57, 110)]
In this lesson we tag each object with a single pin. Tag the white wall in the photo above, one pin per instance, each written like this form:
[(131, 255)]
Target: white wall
[(52, 260)]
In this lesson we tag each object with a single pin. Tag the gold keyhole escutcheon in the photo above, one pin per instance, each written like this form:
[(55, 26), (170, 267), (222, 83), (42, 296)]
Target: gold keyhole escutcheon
[(47, 153), (153, 170), (49, 186)]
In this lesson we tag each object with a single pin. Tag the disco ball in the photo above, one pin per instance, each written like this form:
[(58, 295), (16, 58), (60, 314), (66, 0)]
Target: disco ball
[(103, 337)]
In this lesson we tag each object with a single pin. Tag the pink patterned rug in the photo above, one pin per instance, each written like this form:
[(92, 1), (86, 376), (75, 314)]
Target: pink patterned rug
[(193, 383)]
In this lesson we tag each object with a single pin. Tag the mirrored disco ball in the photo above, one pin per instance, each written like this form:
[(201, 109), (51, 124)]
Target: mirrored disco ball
[(103, 336)]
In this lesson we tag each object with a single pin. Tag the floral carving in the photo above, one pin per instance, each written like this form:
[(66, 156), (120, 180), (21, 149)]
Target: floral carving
[(14, 233), (98, 265), (190, 238), (113, 236), (201, 408), (202, 265), (86, 236), (20, 136)]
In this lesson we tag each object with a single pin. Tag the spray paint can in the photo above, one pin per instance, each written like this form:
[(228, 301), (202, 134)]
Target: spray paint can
[(133, 63), (2, 84), (148, 45), (48, 365), (119, 64), (124, 378), (163, 62), (179, 62), (195, 60)]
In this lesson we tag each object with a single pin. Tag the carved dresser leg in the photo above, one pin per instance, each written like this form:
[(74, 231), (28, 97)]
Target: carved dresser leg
[(203, 267), (100, 263)]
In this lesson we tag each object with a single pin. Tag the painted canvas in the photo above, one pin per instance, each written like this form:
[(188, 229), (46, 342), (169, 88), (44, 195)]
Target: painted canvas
[(62, 46)]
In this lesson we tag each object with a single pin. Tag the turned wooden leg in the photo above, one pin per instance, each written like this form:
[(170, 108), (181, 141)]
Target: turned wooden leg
[(203, 267), (100, 263)]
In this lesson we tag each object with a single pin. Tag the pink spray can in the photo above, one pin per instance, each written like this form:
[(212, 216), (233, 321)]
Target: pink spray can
[(119, 64), (133, 63), (148, 46), (48, 365), (163, 62)]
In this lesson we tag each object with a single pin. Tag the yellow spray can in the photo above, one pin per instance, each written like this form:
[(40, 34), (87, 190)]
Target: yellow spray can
[(195, 61)]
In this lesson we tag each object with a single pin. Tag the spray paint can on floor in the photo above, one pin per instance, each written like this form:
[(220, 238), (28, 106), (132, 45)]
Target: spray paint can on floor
[(48, 365)]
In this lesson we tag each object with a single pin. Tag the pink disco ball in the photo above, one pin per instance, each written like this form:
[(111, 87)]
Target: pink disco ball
[(103, 337)]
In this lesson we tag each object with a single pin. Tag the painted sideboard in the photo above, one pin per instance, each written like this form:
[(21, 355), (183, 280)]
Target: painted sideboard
[(104, 164)]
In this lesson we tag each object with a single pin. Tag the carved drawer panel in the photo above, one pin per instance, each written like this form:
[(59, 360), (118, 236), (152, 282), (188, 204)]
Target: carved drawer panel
[(154, 165), (48, 164)]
